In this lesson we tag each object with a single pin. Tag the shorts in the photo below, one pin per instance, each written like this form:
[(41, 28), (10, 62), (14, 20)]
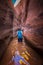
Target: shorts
[(20, 39)]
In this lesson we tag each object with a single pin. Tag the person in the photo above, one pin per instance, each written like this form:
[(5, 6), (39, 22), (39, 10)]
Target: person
[(15, 59), (20, 35)]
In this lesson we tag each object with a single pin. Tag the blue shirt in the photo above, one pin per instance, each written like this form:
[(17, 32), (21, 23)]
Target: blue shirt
[(19, 34), (16, 59)]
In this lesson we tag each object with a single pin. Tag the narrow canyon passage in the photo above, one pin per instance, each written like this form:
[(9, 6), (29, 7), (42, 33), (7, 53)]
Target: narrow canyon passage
[(26, 15), (25, 52)]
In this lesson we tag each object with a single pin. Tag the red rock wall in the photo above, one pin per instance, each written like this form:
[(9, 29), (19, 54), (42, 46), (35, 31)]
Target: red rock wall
[(29, 14)]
